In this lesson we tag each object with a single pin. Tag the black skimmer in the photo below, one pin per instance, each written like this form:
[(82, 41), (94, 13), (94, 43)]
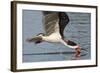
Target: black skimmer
[(54, 25)]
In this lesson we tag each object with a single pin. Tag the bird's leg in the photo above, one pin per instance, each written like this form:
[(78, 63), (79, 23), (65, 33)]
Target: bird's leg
[(77, 51)]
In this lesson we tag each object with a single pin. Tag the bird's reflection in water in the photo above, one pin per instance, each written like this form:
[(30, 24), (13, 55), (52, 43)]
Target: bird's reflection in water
[(73, 56), (59, 56), (70, 55)]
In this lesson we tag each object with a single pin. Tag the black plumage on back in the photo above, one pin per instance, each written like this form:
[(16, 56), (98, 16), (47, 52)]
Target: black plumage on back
[(63, 21)]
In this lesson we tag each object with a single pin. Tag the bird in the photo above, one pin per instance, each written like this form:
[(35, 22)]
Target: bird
[(54, 24)]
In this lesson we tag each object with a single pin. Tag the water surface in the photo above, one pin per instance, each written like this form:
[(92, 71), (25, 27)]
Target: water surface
[(78, 30)]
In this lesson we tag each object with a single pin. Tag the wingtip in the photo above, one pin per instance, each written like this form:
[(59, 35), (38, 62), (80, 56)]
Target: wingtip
[(29, 40)]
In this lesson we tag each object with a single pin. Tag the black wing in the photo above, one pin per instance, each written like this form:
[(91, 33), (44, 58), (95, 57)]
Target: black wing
[(63, 21)]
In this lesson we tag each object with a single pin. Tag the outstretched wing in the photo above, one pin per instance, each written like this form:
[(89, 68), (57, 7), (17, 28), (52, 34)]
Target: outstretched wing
[(63, 21), (50, 21)]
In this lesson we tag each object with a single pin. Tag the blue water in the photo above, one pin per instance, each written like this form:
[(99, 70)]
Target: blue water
[(78, 30)]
